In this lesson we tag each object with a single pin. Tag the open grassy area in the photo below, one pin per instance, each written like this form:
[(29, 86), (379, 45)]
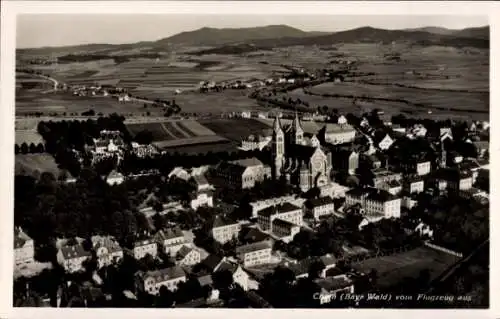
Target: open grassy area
[(28, 137), (392, 269), (236, 129), (29, 164)]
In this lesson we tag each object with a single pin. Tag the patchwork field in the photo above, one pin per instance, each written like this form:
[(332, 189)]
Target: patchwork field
[(168, 134), (236, 129), (392, 269)]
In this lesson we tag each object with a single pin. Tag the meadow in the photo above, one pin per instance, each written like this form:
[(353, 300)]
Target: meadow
[(33, 164), (236, 129), (393, 269)]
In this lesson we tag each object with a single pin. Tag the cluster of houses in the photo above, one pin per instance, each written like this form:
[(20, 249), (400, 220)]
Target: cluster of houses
[(389, 189)]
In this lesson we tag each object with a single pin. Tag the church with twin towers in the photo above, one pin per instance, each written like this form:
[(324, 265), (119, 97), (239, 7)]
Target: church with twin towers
[(302, 163)]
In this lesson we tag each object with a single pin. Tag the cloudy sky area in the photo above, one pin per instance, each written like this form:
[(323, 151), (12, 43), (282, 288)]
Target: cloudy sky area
[(68, 29)]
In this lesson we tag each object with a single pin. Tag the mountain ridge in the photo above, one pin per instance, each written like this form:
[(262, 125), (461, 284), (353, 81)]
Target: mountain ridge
[(284, 35)]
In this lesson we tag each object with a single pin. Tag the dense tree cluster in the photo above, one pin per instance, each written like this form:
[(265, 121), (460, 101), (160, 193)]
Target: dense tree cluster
[(460, 224), (47, 209), (31, 149)]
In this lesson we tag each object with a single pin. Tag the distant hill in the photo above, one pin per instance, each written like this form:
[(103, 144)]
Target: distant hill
[(215, 37), (373, 35), (250, 39), (435, 30), (479, 33)]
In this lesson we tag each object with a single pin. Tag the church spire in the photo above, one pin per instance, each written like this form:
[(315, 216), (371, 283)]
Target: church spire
[(277, 124), (296, 122)]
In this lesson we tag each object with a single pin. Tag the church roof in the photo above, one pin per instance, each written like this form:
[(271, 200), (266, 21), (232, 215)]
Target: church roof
[(247, 162)]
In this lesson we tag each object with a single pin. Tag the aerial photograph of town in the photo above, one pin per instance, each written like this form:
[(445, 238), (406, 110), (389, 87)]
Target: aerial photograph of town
[(261, 161)]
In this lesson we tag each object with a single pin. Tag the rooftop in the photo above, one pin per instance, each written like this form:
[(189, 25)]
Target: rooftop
[(247, 162), (76, 251), (184, 251), (277, 209), (165, 274), (20, 238), (283, 223), (253, 247), (333, 283), (221, 221), (321, 201)]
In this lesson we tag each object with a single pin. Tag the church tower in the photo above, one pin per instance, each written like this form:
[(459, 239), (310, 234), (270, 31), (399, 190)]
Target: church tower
[(297, 131), (278, 147)]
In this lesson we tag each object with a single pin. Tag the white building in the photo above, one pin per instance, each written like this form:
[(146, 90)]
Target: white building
[(285, 211), (332, 287), (224, 230), (145, 247), (385, 143), (375, 202), (170, 240), (187, 256), (107, 250), (318, 207), (115, 178), (284, 230), (254, 254), (151, 281), (73, 257), (24, 247)]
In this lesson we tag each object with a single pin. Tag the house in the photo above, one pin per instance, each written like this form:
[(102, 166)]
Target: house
[(456, 180), (144, 247), (171, 240), (246, 114), (180, 173), (338, 133), (318, 207), (205, 282), (224, 229), (240, 277), (72, 257), (375, 202), (107, 250), (187, 256), (24, 247), (203, 196), (413, 184), (284, 230), (329, 262), (332, 287), (482, 148), (123, 98), (385, 143), (382, 176), (394, 187), (256, 142), (254, 254), (252, 235), (415, 166), (285, 211), (115, 178), (243, 173), (151, 281)]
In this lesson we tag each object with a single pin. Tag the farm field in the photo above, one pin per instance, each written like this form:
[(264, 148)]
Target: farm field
[(176, 134), (29, 102), (392, 269), (430, 98), (236, 129), (33, 163)]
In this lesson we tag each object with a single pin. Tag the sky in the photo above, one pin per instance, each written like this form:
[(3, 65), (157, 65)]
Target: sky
[(39, 30)]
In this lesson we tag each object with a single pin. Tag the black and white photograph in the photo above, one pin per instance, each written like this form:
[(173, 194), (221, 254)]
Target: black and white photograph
[(195, 160)]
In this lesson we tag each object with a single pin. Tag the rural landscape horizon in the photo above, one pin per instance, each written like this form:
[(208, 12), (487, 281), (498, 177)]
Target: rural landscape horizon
[(252, 167)]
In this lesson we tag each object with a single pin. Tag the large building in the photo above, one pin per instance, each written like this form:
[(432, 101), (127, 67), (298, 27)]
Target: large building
[(285, 211), (317, 207), (72, 257), (375, 202), (243, 173), (107, 250), (224, 230), (170, 240), (304, 166), (254, 254), (24, 247), (151, 281), (284, 230)]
